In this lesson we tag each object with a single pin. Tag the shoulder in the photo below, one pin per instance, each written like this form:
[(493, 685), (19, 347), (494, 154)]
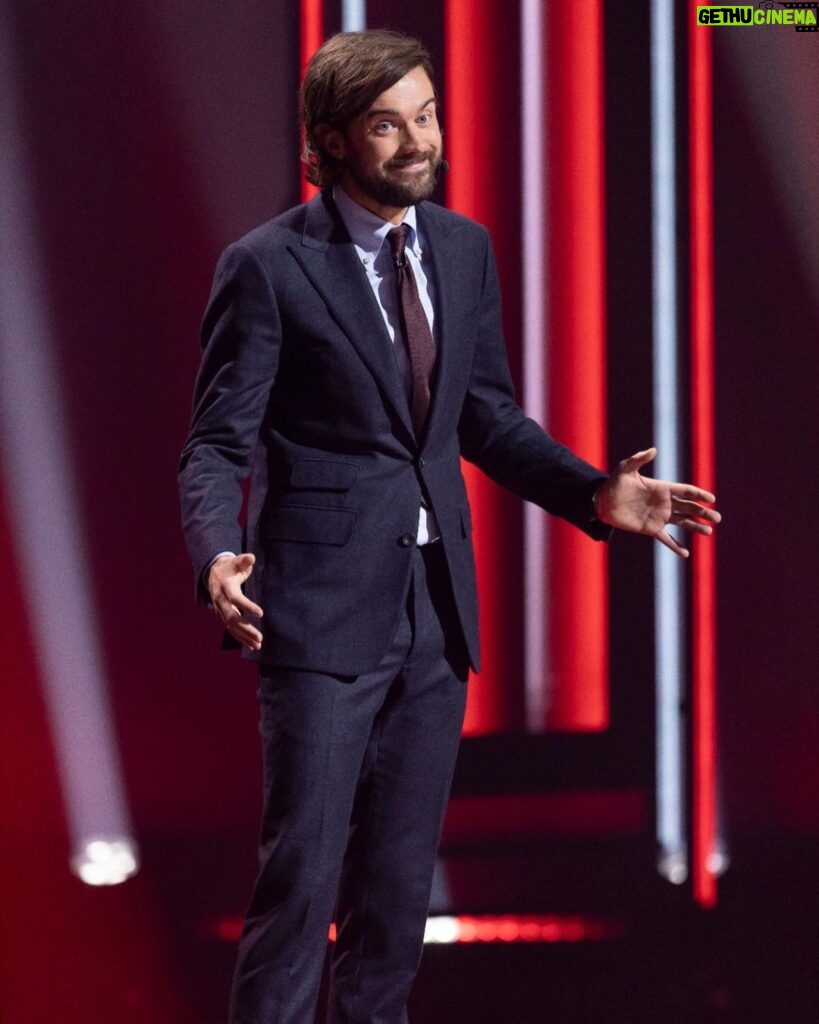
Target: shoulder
[(454, 235), (314, 224), (262, 251), (277, 233), (439, 218)]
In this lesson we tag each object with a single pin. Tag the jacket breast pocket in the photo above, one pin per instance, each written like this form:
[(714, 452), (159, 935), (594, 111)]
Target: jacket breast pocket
[(322, 475), (309, 524)]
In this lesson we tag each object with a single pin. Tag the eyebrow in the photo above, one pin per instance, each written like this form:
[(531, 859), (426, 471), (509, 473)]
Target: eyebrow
[(380, 111)]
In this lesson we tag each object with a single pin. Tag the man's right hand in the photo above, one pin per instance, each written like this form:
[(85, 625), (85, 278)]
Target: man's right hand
[(225, 579)]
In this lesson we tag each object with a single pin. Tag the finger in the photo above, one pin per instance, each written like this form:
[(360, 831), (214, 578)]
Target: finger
[(694, 508), (638, 460), (668, 540), (228, 613), (245, 633), (694, 526), (690, 491), (710, 514), (232, 608), (248, 642), (237, 625), (233, 593), (706, 514), (247, 607), (692, 511), (234, 619), (244, 563)]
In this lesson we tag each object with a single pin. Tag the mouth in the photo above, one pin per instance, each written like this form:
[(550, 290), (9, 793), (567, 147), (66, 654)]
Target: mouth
[(412, 166)]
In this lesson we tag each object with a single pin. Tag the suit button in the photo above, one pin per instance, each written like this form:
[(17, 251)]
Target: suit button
[(421, 462), (406, 540)]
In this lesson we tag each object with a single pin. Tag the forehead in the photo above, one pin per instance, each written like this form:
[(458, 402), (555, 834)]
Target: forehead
[(409, 94)]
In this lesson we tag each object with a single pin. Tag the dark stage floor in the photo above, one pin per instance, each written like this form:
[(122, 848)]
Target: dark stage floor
[(150, 952), (752, 960)]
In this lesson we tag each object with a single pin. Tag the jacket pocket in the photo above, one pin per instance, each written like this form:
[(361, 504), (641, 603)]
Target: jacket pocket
[(309, 524), (322, 475)]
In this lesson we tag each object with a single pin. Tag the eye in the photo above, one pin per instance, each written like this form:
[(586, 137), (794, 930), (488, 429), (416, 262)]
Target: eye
[(425, 119), (381, 127)]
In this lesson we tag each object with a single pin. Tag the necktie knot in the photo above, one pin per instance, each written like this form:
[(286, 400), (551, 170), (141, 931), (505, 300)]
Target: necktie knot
[(397, 237)]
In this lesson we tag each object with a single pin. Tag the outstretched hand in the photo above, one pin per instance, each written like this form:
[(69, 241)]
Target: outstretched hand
[(225, 579), (639, 504)]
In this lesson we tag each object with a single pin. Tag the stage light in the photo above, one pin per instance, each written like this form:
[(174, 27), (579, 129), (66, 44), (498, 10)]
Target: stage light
[(441, 930), (673, 866), (718, 862), (106, 861), (46, 527)]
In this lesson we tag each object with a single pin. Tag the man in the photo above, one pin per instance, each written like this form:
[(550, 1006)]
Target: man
[(352, 355)]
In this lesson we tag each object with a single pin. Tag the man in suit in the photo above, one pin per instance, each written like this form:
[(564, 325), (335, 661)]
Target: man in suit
[(353, 355)]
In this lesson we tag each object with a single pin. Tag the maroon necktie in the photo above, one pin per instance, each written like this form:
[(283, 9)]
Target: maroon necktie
[(417, 333)]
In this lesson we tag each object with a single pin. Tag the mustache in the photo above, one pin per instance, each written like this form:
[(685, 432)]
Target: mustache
[(413, 158)]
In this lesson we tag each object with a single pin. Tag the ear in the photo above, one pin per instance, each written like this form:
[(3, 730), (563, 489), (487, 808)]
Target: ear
[(331, 140)]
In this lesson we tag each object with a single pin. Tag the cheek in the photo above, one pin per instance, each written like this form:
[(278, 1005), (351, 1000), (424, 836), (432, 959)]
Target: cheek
[(374, 153)]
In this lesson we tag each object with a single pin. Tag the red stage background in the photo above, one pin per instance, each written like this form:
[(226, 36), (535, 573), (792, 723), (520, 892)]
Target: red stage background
[(154, 134)]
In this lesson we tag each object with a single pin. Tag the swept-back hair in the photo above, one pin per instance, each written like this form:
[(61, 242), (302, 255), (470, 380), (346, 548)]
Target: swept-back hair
[(343, 79)]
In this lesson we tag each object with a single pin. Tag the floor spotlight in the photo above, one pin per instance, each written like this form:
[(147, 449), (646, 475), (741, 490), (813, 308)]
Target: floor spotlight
[(107, 861)]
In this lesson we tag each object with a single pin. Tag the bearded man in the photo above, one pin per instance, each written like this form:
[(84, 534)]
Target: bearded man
[(353, 354)]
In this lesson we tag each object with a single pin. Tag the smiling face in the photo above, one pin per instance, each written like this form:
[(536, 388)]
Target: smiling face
[(389, 155)]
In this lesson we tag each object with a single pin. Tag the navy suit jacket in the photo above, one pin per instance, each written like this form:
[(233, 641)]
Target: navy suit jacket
[(299, 386)]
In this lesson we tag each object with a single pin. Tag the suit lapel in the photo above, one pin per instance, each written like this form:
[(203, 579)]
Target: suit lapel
[(328, 258)]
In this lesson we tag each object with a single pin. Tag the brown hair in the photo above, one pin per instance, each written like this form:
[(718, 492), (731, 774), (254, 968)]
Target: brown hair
[(343, 79)]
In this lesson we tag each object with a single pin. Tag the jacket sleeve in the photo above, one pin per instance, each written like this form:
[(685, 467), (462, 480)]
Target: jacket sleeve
[(241, 341), (509, 447)]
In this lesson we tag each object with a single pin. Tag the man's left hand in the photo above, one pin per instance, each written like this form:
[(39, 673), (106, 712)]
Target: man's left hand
[(639, 504)]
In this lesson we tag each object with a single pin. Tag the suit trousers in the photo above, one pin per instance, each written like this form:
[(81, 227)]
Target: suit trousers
[(357, 773)]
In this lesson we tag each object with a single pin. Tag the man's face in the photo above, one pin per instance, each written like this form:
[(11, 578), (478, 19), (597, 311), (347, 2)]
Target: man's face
[(391, 153)]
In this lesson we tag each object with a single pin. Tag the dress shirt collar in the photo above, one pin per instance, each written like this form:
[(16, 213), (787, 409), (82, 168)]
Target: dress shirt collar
[(366, 229)]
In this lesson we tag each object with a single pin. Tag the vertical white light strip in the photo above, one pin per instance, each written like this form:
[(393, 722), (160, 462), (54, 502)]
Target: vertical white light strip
[(353, 15), (43, 508), (668, 604), (533, 247)]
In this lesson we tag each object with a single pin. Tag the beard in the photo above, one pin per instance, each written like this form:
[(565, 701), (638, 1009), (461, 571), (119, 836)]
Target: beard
[(390, 188)]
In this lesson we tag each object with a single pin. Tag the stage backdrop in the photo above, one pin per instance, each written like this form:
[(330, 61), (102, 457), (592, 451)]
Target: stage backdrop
[(145, 137)]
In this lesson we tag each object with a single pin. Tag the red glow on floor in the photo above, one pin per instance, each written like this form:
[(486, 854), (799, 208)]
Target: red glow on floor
[(508, 928), (485, 928)]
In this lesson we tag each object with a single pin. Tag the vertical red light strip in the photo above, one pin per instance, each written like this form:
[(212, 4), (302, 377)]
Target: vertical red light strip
[(311, 26), (479, 131), (577, 634), (702, 463)]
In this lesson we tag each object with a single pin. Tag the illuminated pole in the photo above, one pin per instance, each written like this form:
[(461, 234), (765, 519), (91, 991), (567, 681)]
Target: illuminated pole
[(669, 610), (706, 861)]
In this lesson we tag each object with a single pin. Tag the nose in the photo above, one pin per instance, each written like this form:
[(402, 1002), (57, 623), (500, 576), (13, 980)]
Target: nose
[(412, 136)]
